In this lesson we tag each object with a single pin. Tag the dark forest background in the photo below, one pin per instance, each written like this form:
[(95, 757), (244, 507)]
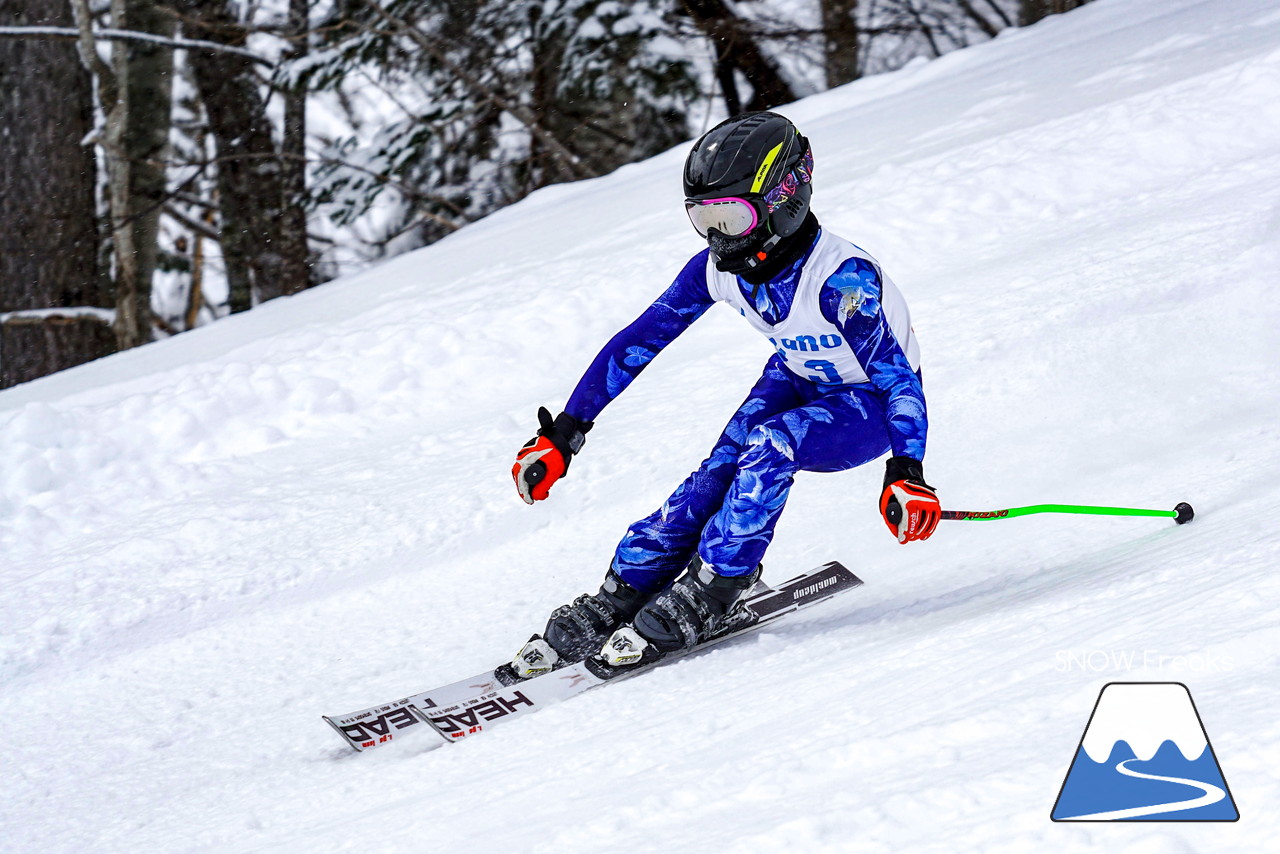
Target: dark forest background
[(164, 163)]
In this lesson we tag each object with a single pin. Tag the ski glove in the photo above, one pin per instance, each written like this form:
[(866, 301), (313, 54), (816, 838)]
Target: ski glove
[(545, 458), (909, 505)]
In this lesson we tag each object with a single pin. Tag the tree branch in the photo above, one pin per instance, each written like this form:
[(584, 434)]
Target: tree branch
[(78, 33), (1008, 22), (193, 225), (983, 24), (517, 111)]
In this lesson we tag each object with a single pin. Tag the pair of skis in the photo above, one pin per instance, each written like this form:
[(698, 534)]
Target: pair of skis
[(474, 705)]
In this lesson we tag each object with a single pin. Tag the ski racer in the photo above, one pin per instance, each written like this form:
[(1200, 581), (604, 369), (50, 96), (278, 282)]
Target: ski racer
[(843, 388)]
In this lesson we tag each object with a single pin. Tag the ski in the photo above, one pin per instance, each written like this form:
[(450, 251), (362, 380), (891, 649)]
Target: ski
[(477, 703)]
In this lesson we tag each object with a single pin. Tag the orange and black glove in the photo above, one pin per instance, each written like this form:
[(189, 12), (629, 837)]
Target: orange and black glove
[(545, 458), (909, 505)]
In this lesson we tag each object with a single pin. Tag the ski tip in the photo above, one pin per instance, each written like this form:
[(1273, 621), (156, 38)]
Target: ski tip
[(331, 722), (1183, 513)]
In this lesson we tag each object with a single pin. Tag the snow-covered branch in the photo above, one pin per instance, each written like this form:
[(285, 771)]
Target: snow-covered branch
[(39, 315), (70, 33)]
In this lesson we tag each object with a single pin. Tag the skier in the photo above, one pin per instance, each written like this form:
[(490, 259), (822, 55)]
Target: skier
[(843, 388)]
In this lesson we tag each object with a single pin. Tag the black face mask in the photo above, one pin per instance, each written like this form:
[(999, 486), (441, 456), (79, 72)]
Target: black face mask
[(736, 255)]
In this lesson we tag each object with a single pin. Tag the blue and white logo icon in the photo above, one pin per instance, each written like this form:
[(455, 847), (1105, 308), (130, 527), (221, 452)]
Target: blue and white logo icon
[(1145, 757)]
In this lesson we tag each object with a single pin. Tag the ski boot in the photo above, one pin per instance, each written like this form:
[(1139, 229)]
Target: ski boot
[(577, 630), (701, 605)]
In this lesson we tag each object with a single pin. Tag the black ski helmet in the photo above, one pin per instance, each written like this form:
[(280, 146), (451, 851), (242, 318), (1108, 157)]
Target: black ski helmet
[(745, 158)]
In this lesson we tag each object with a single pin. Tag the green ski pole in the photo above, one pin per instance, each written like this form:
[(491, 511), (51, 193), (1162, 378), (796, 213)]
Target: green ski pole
[(1181, 514)]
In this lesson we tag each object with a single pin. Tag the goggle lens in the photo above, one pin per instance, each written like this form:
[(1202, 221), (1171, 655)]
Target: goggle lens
[(732, 217)]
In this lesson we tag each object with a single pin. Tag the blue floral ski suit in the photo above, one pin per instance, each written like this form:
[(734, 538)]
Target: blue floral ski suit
[(728, 507)]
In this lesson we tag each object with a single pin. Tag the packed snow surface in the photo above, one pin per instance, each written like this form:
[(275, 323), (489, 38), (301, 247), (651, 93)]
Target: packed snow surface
[(209, 542)]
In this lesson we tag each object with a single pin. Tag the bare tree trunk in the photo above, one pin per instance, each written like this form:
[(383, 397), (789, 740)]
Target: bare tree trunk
[(840, 41), (144, 73), (293, 164), (195, 296), (543, 166), (134, 93), (261, 263), (726, 76), (737, 47), (48, 233), (1034, 10)]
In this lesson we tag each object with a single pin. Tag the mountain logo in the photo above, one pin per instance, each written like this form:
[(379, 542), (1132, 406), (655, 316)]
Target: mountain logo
[(1145, 756)]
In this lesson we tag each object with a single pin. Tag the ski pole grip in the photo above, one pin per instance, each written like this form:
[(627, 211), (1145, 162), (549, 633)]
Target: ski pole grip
[(535, 473), (893, 512)]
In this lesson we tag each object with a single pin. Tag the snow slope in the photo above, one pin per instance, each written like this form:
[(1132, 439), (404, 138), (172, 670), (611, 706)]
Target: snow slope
[(209, 542)]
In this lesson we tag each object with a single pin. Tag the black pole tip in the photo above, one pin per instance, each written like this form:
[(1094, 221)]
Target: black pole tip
[(1185, 513)]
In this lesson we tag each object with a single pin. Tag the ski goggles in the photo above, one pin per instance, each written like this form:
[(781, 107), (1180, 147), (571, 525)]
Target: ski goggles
[(734, 216)]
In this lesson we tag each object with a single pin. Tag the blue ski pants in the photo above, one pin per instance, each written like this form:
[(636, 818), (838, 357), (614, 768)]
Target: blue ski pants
[(726, 510)]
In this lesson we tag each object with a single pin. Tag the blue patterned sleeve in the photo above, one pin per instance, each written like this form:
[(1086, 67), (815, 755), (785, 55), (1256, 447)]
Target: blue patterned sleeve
[(851, 300), (626, 354)]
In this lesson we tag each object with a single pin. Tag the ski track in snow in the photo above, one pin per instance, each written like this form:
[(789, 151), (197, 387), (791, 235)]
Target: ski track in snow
[(209, 542)]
